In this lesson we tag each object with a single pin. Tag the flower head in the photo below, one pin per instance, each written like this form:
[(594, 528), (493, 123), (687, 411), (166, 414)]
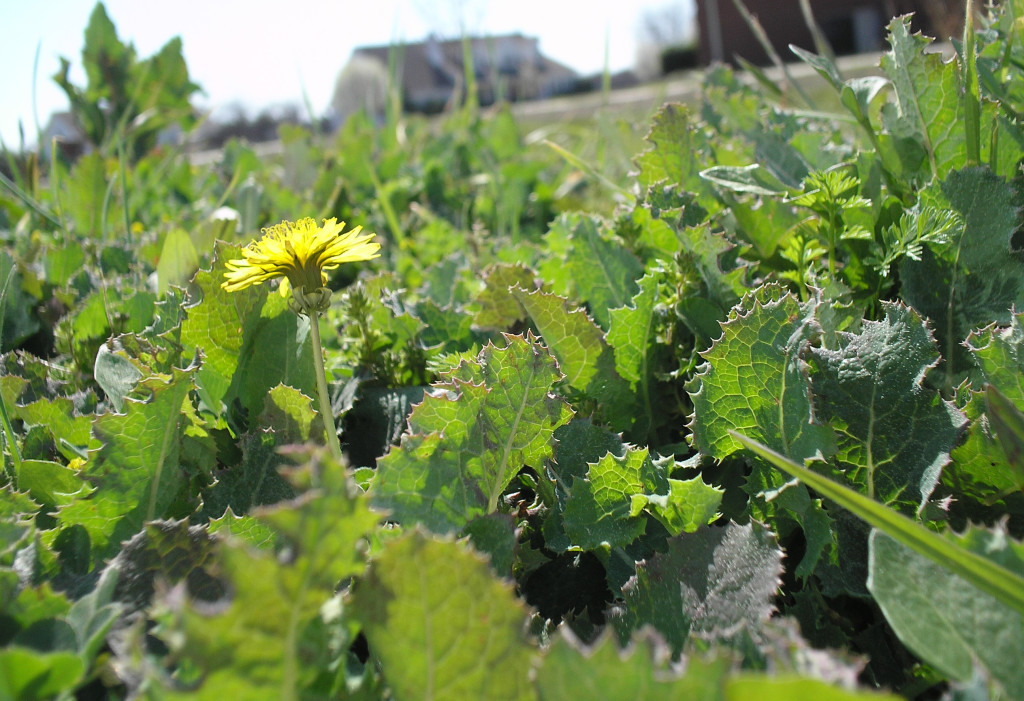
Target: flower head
[(300, 252)]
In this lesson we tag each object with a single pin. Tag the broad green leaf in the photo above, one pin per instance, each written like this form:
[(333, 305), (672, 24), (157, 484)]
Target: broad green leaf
[(51, 483), (495, 535), (137, 470), (254, 481), (975, 278), (688, 505), (441, 625), (600, 509), (583, 356), (754, 381), (178, 260), (632, 336), (68, 428), (980, 468), (598, 271), (1004, 585), (93, 616), (927, 105), (249, 339), (27, 674), (893, 434), (670, 160), (710, 584), (603, 672), (999, 352), (17, 511), (755, 687), (943, 619), (253, 642), (470, 437), (290, 414), (499, 310)]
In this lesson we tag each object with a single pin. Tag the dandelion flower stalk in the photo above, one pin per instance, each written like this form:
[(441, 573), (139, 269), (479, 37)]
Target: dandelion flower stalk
[(300, 253)]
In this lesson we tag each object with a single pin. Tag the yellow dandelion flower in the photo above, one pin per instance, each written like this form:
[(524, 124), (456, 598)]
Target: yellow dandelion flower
[(299, 252)]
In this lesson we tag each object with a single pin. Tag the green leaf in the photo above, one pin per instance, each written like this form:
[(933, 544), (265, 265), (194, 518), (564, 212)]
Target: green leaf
[(943, 619), (975, 278), (290, 414), (499, 310), (27, 674), (688, 505), (583, 355), (51, 483), (927, 108), (670, 159), (440, 624), (178, 260), (632, 335), (470, 437), (250, 341), (600, 509), (751, 687), (598, 271), (603, 672), (116, 375), (754, 381), (711, 584), (893, 434), (252, 643), (137, 470), (255, 481), (1004, 585), (999, 352), (752, 179)]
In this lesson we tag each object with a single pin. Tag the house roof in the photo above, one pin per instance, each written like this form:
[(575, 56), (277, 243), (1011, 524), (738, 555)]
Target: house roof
[(438, 63)]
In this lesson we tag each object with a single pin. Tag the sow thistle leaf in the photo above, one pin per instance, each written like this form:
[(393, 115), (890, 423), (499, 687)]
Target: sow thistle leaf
[(441, 625), (632, 335), (999, 352), (893, 434), (470, 437), (137, 470), (603, 672), (600, 272), (710, 584), (975, 277), (499, 310), (943, 619), (927, 109), (607, 509), (671, 156), (252, 643), (754, 381), (584, 357)]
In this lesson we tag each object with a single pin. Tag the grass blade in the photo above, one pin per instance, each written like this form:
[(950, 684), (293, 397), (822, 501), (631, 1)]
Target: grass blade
[(1003, 584)]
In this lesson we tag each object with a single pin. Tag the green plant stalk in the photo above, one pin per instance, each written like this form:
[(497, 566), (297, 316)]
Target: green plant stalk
[(15, 468), (389, 211), (326, 413), (989, 577), (971, 93)]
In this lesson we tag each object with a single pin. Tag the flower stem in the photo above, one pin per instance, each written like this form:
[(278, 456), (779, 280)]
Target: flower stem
[(326, 413)]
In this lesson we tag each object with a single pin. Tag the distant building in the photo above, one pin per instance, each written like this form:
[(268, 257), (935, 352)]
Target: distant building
[(63, 132), (509, 67), (850, 26)]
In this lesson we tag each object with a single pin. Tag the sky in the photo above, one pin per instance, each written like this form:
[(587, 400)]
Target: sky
[(260, 53)]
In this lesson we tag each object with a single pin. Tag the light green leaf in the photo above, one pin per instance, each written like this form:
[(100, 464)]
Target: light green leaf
[(752, 179), (499, 310), (603, 672), (137, 470), (754, 381), (751, 687), (999, 352), (583, 356), (600, 509), (178, 260), (632, 335), (290, 414), (927, 105), (441, 625), (26, 674), (470, 437), (598, 271), (712, 584), (688, 505), (941, 618), (670, 160), (893, 434)]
